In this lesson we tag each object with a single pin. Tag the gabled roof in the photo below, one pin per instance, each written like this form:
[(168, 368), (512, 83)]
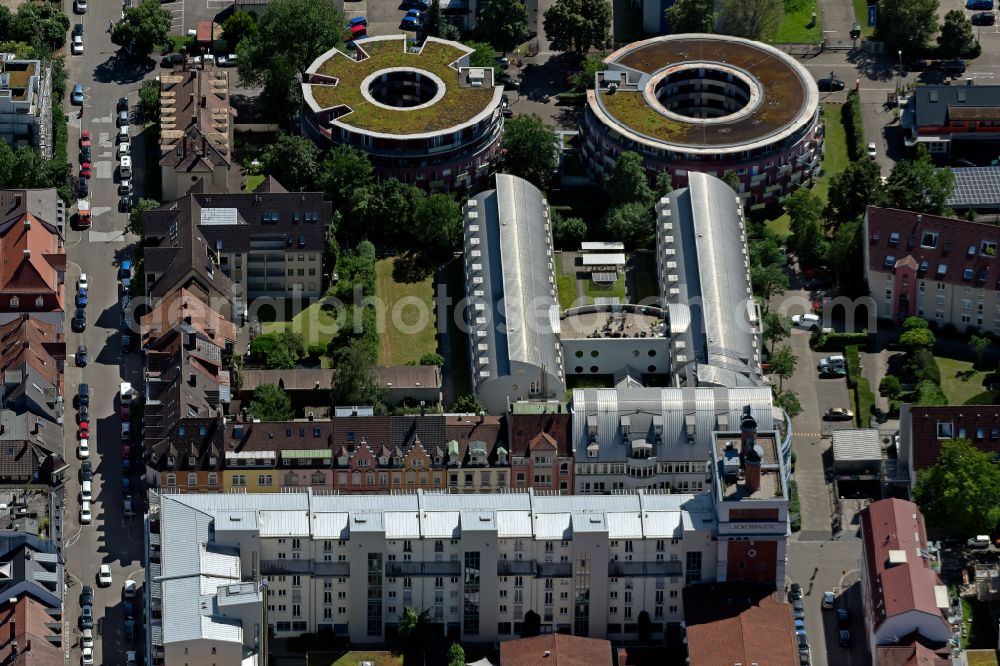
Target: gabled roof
[(185, 313), (30, 621), (980, 425), (30, 246), (891, 530), (468, 428), (523, 428), (945, 249), (195, 120), (38, 572), (936, 104), (31, 346), (734, 623), (911, 652), (556, 650)]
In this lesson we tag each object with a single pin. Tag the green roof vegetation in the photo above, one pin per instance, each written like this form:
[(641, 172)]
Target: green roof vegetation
[(458, 104), (632, 110)]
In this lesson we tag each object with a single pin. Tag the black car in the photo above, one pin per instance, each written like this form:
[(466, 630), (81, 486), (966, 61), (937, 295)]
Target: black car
[(79, 320), (830, 84), (87, 617), (87, 596), (83, 395), (917, 65), (86, 471), (83, 188), (843, 618), (83, 413), (122, 104), (125, 204), (794, 592), (78, 30), (171, 59), (984, 18), (85, 154), (953, 67), (845, 638), (81, 355)]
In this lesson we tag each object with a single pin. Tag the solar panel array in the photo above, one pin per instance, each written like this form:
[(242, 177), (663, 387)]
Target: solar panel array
[(976, 187)]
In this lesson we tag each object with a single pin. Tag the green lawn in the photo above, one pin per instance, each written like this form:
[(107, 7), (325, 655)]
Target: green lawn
[(616, 290), (317, 324), (375, 658), (959, 387), (861, 16), (835, 160), (566, 283), (981, 657), (410, 330), (796, 25), (253, 182)]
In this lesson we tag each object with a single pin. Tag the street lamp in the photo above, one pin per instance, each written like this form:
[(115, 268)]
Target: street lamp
[(899, 76)]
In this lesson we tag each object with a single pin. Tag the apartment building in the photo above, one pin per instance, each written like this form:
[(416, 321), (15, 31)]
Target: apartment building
[(196, 130), (30, 633), (481, 564), (922, 430), (238, 247), (541, 451), (942, 269), (34, 257), (26, 104), (953, 122)]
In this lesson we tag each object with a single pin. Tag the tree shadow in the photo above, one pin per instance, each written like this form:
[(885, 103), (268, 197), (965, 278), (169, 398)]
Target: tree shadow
[(413, 267), (123, 69), (875, 68)]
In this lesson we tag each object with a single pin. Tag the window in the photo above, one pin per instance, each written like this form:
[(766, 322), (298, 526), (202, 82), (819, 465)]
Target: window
[(894, 238), (192, 480), (39, 302), (171, 480), (264, 480), (239, 480), (942, 269), (988, 249), (967, 274), (213, 479), (945, 430), (929, 239)]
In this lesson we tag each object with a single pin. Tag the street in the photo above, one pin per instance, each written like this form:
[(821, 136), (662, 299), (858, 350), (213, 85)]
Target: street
[(109, 539)]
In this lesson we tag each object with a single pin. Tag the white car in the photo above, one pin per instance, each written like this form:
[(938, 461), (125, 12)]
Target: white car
[(83, 449), (125, 187), (226, 60), (87, 656), (77, 47), (808, 321), (123, 149), (85, 513), (128, 589), (104, 575), (123, 134), (209, 59), (126, 167), (80, 6), (131, 659), (828, 599), (871, 150), (87, 640), (82, 282)]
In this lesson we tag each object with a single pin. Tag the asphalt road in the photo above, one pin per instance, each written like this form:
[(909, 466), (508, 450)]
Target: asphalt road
[(109, 539)]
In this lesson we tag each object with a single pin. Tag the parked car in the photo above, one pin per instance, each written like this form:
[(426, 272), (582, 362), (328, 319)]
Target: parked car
[(801, 638), (870, 151), (843, 618), (85, 153), (828, 599), (125, 203), (126, 431), (845, 638), (357, 20), (87, 596), (979, 4), (794, 592), (131, 659), (83, 395), (123, 134), (419, 4), (85, 170), (81, 298), (171, 59), (87, 617), (830, 84), (83, 449), (80, 6), (77, 47), (87, 656), (76, 97), (87, 491), (979, 541), (984, 18), (415, 13), (956, 67), (78, 29), (125, 187), (125, 167), (125, 269), (124, 148), (833, 371), (104, 575), (228, 60), (358, 31), (83, 432), (409, 23), (839, 414), (87, 639), (122, 104), (83, 188), (79, 322), (83, 413), (85, 139), (834, 360), (798, 610), (807, 321), (86, 471), (124, 412), (86, 515)]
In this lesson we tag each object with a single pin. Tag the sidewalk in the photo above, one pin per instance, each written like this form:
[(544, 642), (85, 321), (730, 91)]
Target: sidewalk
[(836, 17)]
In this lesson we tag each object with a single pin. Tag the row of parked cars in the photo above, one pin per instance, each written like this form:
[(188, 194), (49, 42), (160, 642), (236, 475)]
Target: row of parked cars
[(799, 617), (129, 589)]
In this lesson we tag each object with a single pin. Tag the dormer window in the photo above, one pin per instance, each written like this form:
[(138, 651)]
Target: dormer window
[(894, 238), (39, 302), (212, 461), (967, 274), (972, 250), (942, 269), (14, 302), (929, 239), (890, 261), (192, 461), (988, 248), (170, 461)]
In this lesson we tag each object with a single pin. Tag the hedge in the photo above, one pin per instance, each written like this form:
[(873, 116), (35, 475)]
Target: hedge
[(837, 341), (357, 269), (853, 365), (851, 116), (794, 510), (864, 402), (929, 394)]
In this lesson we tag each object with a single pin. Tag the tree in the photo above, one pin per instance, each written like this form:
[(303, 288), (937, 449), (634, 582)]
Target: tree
[(628, 182), (913, 323), (929, 394), (437, 221), (768, 281), (664, 184), (731, 179), (961, 493), (691, 16), (917, 338), (345, 171), (237, 27), (354, 382), (149, 97), (956, 38), (577, 25), (41, 24), (805, 212), (906, 25), (432, 358), (777, 327), (383, 212), (645, 627), (135, 218), (918, 185), (290, 35), (529, 148), (890, 387), (292, 159), (752, 19), (783, 364), (483, 55), (789, 401), (288, 348), (467, 404), (632, 224), (843, 251), (504, 23), (979, 344), (271, 403), (433, 20), (456, 655), (852, 190), (143, 27), (567, 232), (416, 631)]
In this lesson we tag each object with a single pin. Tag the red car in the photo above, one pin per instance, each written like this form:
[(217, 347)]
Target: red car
[(126, 451), (124, 413), (817, 272), (84, 431), (84, 139), (85, 170), (358, 31)]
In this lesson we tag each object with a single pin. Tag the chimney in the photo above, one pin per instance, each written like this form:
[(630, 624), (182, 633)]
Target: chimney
[(204, 101), (17, 199), (27, 223), (751, 467), (27, 646), (748, 428), (192, 379), (27, 254)]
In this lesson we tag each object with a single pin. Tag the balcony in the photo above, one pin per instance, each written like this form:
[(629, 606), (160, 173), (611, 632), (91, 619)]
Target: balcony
[(398, 569), (533, 568), (619, 569)]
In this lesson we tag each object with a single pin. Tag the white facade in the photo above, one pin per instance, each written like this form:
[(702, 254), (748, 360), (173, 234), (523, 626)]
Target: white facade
[(478, 563), (26, 104)]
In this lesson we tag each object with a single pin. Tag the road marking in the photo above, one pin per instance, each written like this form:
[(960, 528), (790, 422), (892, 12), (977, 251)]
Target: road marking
[(808, 434), (105, 236)]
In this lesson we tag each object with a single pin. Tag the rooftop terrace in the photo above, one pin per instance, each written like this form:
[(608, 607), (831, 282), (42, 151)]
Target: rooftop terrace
[(727, 454), (613, 322)]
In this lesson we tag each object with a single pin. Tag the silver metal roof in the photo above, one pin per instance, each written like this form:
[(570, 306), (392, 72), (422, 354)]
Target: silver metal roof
[(672, 411), (702, 258), (509, 259), (856, 445)]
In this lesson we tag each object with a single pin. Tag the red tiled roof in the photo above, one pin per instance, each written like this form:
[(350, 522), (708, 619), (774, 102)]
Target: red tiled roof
[(22, 342), (556, 650), (172, 311), (897, 525), (911, 654), (30, 619), (738, 623), (523, 428), (981, 426), (895, 234), (31, 258)]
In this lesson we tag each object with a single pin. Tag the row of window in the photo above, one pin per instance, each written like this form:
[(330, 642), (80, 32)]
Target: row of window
[(15, 302)]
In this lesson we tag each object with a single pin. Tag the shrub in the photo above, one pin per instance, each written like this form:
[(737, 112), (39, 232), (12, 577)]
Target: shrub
[(262, 346), (853, 365), (851, 113), (864, 402), (839, 341), (924, 366), (316, 350), (929, 394), (793, 506)]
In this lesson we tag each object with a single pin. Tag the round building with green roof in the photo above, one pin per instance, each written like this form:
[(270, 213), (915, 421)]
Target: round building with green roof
[(422, 114)]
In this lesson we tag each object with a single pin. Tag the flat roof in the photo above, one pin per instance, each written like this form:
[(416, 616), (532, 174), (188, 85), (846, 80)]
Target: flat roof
[(603, 259), (602, 246), (609, 324), (788, 96)]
